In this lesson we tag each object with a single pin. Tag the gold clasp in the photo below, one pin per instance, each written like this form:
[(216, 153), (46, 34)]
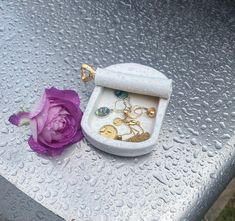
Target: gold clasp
[(87, 72)]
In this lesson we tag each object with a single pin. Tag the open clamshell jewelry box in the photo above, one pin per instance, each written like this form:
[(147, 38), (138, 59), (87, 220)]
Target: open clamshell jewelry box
[(146, 86)]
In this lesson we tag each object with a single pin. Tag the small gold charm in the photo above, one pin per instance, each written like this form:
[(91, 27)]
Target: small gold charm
[(118, 121), (108, 131), (139, 137)]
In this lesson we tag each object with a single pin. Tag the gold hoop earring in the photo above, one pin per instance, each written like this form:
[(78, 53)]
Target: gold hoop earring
[(119, 110), (151, 111)]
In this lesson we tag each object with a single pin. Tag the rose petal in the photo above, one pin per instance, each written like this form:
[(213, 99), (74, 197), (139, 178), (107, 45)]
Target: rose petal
[(57, 144), (37, 108), (68, 95), (57, 137), (68, 133), (73, 110), (33, 124), (64, 112), (46, 134), (35, 146), (78, 136), (41, 118), (39, 148), (19, 118), (62, 143), (53, 112)]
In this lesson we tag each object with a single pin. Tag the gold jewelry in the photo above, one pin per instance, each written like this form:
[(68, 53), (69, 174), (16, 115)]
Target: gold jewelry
[(127, 112), (105, 111), (87, 72), (118, 121), (130, 123), (119, 110), (133, 123), (121, 94), (151, 111), (125, 102), (108, 131), (139, 137), (136, 132)]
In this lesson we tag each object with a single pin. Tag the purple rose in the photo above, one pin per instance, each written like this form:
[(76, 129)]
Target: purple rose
[(55, 121)]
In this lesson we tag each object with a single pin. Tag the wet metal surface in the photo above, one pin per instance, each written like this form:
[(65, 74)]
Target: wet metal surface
[(43, 43), (16, 206)]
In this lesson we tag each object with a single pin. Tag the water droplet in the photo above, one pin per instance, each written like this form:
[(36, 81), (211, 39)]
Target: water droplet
[(87, 177), (213, 175), (193, 141), (218, 145), (3, 143), (160, 178), (178, 140), (18, 99), (225, 136), (167, 146), (120, 203), (5, 130)]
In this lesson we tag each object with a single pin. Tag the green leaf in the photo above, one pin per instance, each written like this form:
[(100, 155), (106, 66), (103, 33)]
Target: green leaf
[(228, 214)]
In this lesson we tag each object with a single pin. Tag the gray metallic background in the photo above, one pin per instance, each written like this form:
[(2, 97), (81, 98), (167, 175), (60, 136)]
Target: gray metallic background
[(43, 43), (16, 206)]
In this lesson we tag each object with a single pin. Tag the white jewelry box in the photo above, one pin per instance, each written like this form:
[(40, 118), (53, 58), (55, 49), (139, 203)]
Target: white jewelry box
[(142, 82)]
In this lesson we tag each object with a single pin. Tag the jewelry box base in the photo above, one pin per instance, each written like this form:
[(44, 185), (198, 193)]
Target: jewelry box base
[(105, 97)]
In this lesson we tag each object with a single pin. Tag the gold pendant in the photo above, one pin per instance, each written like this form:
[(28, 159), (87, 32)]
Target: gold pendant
[(108, 131), (118, 121), (139, 137)]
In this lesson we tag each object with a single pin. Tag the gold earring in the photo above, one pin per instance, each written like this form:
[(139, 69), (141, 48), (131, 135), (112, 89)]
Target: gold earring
[(128, 112), (120, 109), (151, 111)]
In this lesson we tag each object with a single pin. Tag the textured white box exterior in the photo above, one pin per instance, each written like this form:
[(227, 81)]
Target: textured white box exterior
[(119, 147), (155, 85)]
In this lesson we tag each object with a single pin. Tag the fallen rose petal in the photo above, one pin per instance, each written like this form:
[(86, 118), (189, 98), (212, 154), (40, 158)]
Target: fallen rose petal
[(19, 119)]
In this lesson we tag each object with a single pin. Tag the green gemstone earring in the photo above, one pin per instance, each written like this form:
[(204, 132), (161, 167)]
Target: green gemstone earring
[(123, 97), (103, 111), (121, 94)]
